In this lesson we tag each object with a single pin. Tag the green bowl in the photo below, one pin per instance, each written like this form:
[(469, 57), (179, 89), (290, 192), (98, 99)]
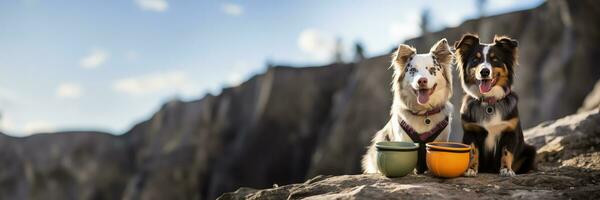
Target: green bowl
[(396, 159)]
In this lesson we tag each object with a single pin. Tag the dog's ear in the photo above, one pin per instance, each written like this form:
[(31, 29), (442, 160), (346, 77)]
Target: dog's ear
[(402, 56), (466, 43), (441, 52), (505, 42), (509, 46)]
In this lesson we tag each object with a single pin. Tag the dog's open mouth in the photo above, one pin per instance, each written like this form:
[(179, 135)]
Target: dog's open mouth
[(423, 94), (486, 85)]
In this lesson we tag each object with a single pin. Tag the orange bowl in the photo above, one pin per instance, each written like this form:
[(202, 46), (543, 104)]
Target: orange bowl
[(447, 159)]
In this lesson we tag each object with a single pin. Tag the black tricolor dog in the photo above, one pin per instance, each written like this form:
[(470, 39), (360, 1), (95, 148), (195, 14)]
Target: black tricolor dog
[(489, 113)]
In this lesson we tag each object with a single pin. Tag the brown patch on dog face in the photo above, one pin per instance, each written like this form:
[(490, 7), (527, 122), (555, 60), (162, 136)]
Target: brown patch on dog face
[(469, 75), (500, 72), (468, 53), (432, 70), (507, 159), (504, 52)]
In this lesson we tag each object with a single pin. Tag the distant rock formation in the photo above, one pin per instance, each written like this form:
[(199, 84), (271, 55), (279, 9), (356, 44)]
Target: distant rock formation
[(291, 124), (259, 133), (69, 165), (592, 101)]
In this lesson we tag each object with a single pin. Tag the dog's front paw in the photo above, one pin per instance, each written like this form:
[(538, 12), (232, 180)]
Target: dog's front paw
[(507, 172), (470, 173)]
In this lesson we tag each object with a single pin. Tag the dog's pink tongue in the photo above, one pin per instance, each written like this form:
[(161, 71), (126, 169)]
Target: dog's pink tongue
[(485, 86), (422, 96)]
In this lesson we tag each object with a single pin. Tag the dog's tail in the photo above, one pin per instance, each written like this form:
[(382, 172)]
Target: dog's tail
[(369, 164), (529, 163), (369, 160)]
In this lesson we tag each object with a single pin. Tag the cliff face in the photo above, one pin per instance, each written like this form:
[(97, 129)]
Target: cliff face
[(82, 165), (259, 133), (291, 124)]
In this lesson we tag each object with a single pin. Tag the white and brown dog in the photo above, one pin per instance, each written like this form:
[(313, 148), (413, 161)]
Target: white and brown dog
[(421, 111)]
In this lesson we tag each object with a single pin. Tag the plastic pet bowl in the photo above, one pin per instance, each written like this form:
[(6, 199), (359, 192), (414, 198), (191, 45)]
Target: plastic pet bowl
[(396, 159), (447, 159)]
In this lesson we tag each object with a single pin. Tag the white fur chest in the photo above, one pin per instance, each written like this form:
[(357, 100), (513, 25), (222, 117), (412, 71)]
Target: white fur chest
[(494, 126)]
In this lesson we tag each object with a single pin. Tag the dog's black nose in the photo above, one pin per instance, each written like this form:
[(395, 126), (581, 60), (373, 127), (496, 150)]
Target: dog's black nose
[(485, 72), (422, 82)]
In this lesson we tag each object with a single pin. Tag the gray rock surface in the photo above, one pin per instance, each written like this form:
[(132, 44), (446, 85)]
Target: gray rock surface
[(556, 184), (570, 141), (568, 168)]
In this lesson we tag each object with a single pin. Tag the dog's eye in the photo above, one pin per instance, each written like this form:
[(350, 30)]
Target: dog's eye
[(495, 60)]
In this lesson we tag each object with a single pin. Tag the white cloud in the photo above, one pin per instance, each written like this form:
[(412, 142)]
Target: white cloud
[(69, 90), (239, 73), (154, 82), (93, 60), (232, 9), (153, 5), (6, 124), (235, 78), (38, 127), (318, 43)]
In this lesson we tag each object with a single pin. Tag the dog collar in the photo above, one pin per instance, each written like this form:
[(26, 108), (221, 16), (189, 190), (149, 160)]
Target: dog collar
[(424, 137), (493, 100), (429, 112)]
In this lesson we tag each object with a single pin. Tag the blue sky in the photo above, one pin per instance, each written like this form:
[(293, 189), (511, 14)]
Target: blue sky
[(108, 64)]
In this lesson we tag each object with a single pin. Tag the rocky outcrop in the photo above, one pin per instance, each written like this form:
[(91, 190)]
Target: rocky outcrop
[(568, 168), (571, 141), (558, 184), (291, 123), (592, 101), (82, 165)]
